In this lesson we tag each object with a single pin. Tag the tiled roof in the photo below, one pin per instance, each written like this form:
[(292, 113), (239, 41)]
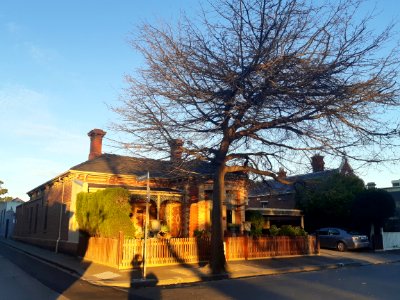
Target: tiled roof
[(126, 165), (137, 188), (274, 187)]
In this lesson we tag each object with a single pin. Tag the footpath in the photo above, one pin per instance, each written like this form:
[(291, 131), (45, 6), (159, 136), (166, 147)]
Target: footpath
[(188, 273)]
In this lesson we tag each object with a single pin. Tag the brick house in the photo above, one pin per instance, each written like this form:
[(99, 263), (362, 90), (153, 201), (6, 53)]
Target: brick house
[(276, 201), (180, 194)]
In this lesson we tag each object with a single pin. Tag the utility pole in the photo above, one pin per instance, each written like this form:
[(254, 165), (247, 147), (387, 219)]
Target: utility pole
[(146, 226)]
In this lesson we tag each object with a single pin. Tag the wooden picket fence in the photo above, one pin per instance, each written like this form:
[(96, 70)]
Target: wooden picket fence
[(127, 253), (239, 248), (102, 250)]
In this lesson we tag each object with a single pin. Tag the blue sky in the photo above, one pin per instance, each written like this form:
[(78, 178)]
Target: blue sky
[(62, 62)]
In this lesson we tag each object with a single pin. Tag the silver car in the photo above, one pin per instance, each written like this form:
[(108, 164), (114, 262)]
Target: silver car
[(340, 239)]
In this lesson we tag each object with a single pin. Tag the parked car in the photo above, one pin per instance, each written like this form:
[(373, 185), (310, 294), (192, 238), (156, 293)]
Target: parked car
[(340, 239)]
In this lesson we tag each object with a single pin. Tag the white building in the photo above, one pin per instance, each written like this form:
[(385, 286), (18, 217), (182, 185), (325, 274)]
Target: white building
[(7, 217)]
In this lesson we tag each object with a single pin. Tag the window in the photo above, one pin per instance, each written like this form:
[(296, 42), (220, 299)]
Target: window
[(36, 218), (334, 232), (46, 211), (30, 219)]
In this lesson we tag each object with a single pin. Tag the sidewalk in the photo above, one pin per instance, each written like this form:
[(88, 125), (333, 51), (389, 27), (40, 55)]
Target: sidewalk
[(176, 274)]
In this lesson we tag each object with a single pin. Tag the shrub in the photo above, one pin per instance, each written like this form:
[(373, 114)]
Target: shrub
[(164, 228), (287, 230), (274, 230), (257, 222), (373, 206), (105, 213), (202, 233)]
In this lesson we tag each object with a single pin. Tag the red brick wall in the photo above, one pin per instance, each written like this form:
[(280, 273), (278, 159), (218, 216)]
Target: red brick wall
[(31, 216)]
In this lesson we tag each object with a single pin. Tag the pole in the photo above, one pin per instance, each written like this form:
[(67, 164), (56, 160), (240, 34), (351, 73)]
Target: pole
[(60, 219), (146, 226)]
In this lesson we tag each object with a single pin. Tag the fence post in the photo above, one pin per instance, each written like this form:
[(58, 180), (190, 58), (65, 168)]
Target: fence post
[(246, 247), (313, 245), (226, 244), (120, 248), (317, 245)]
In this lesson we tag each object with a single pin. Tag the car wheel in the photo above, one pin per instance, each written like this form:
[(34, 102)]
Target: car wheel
[(341, 246)]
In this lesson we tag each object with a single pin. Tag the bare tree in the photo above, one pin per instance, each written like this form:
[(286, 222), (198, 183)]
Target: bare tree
[(254, 85)]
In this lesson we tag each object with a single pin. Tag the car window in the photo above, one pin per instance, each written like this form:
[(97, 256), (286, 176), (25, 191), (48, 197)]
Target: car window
[(354, 233), (322, 232), (334, 232)]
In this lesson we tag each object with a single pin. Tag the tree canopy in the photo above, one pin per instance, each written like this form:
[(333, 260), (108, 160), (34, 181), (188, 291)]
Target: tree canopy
[(3, 192), (328, 202), (254, 85), (373, 207)]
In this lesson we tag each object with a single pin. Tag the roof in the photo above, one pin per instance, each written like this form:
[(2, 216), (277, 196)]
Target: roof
[(127, 165), (18, 200), (136, 188), (269, 187)]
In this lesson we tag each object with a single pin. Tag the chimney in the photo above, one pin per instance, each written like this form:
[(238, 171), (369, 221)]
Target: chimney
[(282, 173), (96, 141), (317, 163), (396, 183), (371, 185), (176, 146)]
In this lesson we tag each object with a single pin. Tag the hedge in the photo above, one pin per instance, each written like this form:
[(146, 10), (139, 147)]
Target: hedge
[(105, 213)]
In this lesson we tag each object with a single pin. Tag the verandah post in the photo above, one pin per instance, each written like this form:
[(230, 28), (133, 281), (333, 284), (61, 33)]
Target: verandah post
[(246, 247), (226, 244)]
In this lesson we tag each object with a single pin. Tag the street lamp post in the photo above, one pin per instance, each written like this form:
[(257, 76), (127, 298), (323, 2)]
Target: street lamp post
[(146, 226)]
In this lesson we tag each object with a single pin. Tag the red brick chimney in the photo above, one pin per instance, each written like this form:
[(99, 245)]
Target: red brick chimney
[(96, 142), (317, 163), (282, 173), (176, 150)]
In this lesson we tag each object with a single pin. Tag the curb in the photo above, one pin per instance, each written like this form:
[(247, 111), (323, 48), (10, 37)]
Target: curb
[(205, 278), (151, 282), (139, 283)]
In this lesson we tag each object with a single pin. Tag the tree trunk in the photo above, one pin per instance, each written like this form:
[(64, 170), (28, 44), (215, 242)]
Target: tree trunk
[(217, 262)]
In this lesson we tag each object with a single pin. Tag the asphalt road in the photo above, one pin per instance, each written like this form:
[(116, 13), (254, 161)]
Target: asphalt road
[(59, 281), (366, 282), (43, 281), (18, 285)]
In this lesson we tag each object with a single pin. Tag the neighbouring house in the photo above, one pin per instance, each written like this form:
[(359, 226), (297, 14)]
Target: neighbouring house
[(393, 224), (391, 229), (276, 201), (7, 217), (180, 194)]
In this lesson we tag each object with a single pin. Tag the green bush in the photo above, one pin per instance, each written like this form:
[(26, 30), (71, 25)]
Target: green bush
[(287, 230), (105, 213), (257, 222), (274, 230)]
